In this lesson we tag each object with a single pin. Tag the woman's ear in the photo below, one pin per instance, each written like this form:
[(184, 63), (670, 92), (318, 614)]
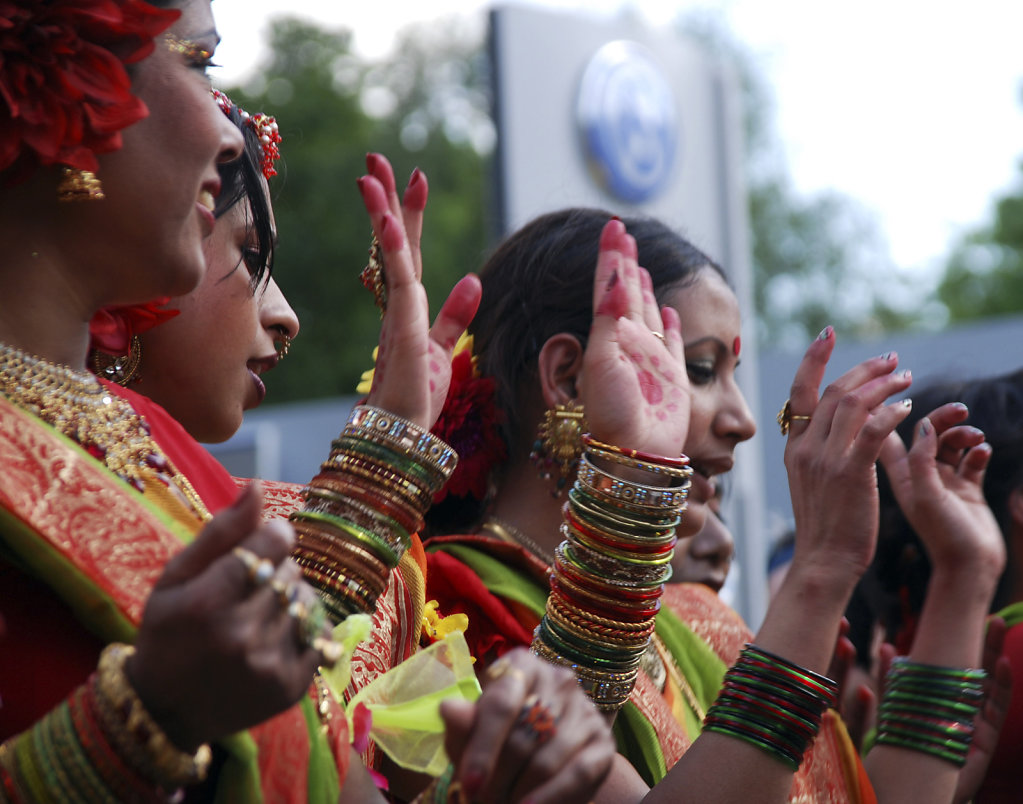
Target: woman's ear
[(559, 364)]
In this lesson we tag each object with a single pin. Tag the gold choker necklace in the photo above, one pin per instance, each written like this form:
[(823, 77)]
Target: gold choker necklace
[(78, 406)]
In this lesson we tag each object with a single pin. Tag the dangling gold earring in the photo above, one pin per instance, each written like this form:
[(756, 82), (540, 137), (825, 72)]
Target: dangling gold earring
[(559, 444), (121, 369), (79, 185)]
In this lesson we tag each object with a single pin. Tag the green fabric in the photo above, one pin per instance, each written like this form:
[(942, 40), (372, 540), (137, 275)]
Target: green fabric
[(697, 662), (324, 783), (500, 579), (637, 741), (1012, 614)]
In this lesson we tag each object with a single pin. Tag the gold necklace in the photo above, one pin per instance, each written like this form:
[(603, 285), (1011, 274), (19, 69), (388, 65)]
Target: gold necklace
[(78, 406), (512, 534), (672, 669)]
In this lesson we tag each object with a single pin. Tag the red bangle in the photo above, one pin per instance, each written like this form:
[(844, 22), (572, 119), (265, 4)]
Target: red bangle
[(662, 460)]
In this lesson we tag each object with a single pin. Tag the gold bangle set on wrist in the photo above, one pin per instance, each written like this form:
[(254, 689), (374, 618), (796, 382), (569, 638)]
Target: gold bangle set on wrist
[(608, 573), (362, 508)]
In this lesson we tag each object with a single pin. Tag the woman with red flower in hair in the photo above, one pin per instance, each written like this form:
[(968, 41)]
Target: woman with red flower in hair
[(110, 143)]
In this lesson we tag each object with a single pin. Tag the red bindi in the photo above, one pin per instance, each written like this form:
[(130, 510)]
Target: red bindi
[(736, 345)]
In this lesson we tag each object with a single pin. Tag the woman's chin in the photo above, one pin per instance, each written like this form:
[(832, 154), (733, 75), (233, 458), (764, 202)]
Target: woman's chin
[(692, 519)]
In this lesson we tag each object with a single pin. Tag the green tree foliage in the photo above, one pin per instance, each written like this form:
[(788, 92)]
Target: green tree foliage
[(984, 273), (426, 107)]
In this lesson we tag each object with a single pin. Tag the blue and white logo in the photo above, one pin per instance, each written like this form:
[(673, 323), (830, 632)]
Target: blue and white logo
[(627, 116)]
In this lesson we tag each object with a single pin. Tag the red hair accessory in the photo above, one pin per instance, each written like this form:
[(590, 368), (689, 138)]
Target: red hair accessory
[(469, 423), (65, 94), (112, 328), (265, 127)]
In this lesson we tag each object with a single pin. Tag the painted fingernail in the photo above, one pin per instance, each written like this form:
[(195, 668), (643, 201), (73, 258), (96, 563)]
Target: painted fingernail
[(906, 374), (925, 427), (417, 175), (372, 160), (887, 356), (359, 182), (961, 406), (826, 333), (907, 402)]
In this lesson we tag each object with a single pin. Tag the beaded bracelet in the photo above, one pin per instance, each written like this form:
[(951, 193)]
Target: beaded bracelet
[(930, 709), (772, 704)]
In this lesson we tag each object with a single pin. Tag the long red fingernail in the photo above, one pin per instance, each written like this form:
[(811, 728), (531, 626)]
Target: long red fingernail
[(372, 162), (360, 182), (417, 174)]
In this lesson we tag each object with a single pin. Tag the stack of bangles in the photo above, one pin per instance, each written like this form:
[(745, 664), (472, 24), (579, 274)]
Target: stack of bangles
[(99, 745), (930, 709), (361, 509), (772, 704), (609, 572)]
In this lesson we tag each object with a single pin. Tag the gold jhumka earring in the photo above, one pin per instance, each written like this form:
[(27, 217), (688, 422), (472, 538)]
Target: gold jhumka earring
[(559, 444)]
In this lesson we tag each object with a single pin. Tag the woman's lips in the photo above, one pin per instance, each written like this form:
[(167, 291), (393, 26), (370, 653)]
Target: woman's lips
[(260, 388), (207, 218)]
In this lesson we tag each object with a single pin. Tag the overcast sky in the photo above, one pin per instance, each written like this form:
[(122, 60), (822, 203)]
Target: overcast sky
[(911, 107)]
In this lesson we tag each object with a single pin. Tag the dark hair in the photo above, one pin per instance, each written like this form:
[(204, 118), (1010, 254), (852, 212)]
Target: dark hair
[(538, 283), (901, 567), (242, 179)]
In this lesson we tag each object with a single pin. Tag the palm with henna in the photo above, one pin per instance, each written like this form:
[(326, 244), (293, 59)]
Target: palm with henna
[(633, 382)]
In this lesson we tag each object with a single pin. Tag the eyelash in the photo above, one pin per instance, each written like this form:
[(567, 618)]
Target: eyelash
[(250, 257), (196, 55), (699, 373)]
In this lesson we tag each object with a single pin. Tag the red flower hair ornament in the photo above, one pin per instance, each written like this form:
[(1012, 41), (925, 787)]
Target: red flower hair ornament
[(65, 94), (469, 422), (112, 328)]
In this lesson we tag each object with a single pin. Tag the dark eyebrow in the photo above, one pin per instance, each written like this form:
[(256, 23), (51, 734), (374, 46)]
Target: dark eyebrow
[(709, 339)]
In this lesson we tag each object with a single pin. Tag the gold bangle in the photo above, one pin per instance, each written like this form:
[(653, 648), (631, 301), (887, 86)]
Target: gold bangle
[(169, 766)]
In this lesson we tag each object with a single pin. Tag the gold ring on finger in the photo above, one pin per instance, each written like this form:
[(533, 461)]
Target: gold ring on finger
[(503, 667), (786, 417), (287, 593), (329, 650), (659, 336), (260, 570)]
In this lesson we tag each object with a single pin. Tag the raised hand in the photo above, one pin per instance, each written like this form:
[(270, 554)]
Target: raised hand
[(938, 485), (532, 734), (831, 455), (217, 650), (633, 383), (413, 368)]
